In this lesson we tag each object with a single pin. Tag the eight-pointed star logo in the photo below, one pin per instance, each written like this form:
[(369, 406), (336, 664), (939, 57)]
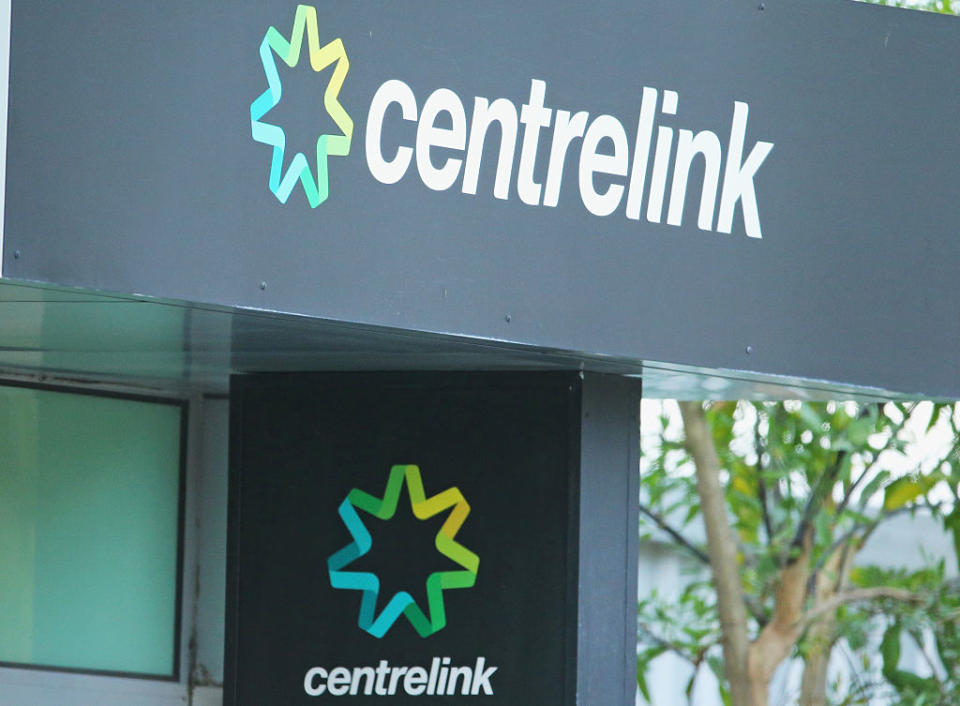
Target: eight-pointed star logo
[(282, 183), (402, 602)]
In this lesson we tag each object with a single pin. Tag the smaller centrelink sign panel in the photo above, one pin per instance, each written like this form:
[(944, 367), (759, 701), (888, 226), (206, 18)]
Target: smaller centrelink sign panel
[(398, 537)]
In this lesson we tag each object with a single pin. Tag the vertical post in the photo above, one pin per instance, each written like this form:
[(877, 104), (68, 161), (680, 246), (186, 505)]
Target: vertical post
[(607, 543)]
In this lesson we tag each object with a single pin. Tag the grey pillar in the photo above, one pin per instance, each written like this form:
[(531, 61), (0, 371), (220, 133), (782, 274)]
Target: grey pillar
[(607, 543)]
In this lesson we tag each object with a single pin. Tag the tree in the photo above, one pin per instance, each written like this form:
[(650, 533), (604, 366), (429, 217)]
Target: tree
[(944, 7), (788, 493)]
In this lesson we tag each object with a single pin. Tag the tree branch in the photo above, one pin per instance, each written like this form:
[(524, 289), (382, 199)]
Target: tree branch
[(757, 611), (857, 595), (661, 522), (867, 530), (648, 634), (761, 483), (817, 496), (820, 491), (693, 656), (778, 638), (754, 606), (853, 486)]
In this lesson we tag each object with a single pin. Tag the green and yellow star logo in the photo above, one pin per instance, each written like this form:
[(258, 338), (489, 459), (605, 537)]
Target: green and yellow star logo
[(402, 603), (274, 43)]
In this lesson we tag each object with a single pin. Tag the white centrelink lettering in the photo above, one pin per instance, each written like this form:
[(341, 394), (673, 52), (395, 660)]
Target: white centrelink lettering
[(443, 679), (616, 171)]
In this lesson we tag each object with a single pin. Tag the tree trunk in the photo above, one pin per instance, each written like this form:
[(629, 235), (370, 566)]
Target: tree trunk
[(776, 641), (822, 634), (722, 547), (813, 685)]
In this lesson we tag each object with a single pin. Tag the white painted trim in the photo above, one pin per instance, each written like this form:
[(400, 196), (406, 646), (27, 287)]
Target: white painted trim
[(207, 696)]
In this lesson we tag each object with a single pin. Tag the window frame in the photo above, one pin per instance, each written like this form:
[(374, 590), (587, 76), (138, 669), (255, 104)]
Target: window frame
[(183, 404)]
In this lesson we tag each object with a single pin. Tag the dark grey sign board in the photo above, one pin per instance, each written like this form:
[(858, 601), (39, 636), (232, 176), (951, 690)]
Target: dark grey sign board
[(468, 536), (760, 186)]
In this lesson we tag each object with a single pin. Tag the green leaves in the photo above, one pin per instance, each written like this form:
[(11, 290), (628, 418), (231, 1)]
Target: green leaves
[(934, 620), (908, 488), (686, 626), (890, 649), (944, 7), (952, 523), (860, 430), (912, 689), (644, 658)]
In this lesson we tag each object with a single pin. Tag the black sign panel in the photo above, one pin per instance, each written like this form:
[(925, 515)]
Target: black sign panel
[(396, 536), (767, 186)]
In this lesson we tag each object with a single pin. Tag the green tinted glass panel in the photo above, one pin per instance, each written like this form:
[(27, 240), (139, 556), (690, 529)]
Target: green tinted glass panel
[(89, 520)]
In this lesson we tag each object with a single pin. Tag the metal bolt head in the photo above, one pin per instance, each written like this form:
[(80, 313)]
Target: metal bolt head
[(749, 350), (263, 285), (507, 318), (16, 254)]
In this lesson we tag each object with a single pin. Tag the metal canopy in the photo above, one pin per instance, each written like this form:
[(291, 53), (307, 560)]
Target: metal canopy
[(103, 338)]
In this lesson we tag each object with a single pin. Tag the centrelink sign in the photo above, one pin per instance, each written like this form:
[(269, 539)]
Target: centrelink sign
[(604, 150), (401, 537), (626, 183)]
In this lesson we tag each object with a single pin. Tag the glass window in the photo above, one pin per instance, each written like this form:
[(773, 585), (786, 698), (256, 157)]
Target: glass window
[(90, 519)]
